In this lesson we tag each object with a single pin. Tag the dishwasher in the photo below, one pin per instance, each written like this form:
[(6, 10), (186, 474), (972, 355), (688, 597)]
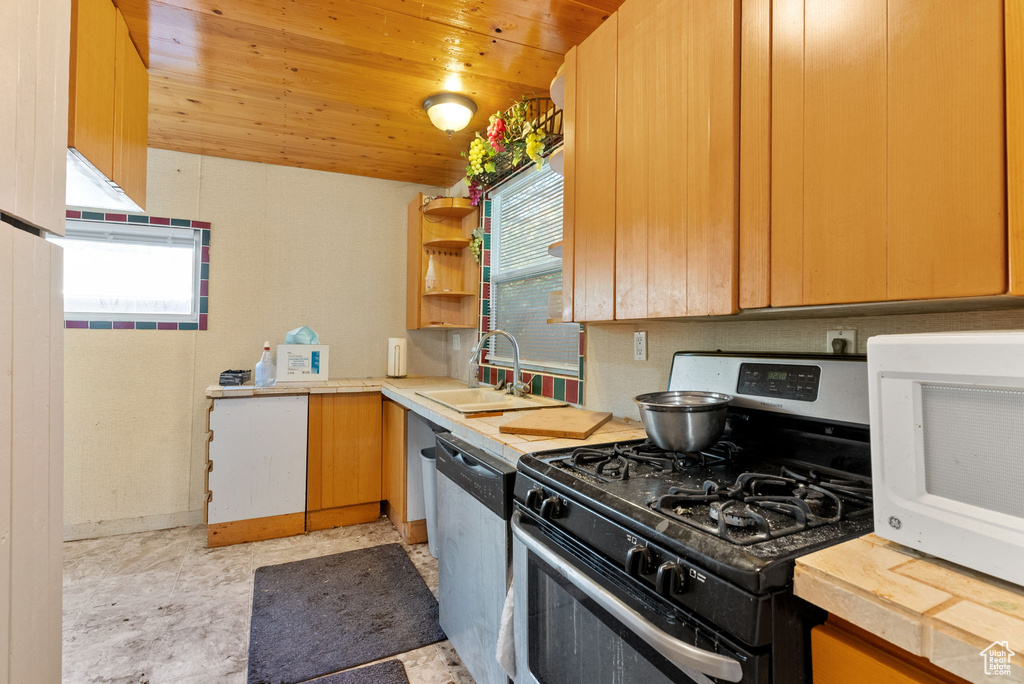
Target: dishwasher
[(474, 505)]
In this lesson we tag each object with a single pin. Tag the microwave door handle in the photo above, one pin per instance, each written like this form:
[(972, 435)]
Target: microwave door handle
[(679, 653)]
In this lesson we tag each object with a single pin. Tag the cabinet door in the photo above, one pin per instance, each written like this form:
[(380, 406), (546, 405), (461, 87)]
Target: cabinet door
[(91, 107), (31, 449), (677, 164), (888, 150), (841, 657), (259, 459), (131, 116), (590, 163), (394, 454), (344, 451), (33, 111), (1014, 32)]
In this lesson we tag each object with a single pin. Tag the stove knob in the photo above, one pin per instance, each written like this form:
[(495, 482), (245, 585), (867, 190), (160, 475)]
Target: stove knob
[(670, 579), (639, 561), (533, 498), (550, 508)]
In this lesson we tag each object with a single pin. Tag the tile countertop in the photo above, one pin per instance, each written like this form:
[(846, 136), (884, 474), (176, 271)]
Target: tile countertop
[(480, 432), (930, 607)]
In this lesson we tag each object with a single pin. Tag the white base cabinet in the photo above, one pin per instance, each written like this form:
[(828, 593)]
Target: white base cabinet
[(258, 457)]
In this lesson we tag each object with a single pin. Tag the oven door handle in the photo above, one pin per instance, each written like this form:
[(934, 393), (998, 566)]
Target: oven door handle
[(679, 653)]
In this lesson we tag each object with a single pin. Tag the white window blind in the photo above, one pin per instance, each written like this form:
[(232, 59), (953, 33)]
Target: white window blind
[(124, 272), (526, 217)]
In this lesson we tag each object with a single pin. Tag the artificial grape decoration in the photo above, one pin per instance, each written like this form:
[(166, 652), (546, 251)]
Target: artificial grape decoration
[(476, 244), (476, 156), (496, 132), (535, 147), (475, 192)]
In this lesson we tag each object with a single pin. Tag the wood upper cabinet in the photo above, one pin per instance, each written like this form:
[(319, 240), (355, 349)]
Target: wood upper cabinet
[(94, 45), (131, 116), (888, 150), (588, 248), (343, 474), (108, 113), (677, 138)]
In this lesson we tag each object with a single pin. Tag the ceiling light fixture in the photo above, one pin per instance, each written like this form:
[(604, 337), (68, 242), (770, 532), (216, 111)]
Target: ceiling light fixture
[(449, 111)]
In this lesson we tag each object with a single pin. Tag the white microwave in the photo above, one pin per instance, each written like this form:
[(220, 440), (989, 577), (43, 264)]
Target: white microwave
[(947, 446)]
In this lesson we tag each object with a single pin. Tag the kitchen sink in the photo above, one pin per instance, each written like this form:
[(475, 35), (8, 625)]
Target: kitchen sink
[(481, 399)]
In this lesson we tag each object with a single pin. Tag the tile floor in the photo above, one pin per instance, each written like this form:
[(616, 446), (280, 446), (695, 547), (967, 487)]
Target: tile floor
[(161, 608)]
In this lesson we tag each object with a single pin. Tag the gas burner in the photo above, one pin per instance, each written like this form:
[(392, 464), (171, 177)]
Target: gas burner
[(798, 501), (619, 461), (858, 489), (607, 465), (734, 516)]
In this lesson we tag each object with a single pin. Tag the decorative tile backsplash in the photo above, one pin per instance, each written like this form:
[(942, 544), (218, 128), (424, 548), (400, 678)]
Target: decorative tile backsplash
[(204, 276), (549, 385)]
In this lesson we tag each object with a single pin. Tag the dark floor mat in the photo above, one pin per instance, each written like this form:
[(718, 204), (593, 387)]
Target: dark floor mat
[(388, 672), (318, 616)]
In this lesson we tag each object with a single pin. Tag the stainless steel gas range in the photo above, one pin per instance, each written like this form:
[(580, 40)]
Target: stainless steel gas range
[(636, 565)]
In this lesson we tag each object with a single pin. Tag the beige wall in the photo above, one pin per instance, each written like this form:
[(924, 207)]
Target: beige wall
[(613, 378), (290, 247)]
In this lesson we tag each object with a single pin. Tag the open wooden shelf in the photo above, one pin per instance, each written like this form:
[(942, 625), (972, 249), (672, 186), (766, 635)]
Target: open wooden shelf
[(555, 249), (449, 207), (447, 243), (440, 232)]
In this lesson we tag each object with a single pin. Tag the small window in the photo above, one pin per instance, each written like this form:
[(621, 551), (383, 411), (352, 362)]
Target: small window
[(118, 272), (526, 218)]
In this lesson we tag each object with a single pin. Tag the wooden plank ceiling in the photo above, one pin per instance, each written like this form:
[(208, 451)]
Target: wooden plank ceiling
[(337, 85)]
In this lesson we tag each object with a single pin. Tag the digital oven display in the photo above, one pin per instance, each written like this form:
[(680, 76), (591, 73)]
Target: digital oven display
[(779, 380)]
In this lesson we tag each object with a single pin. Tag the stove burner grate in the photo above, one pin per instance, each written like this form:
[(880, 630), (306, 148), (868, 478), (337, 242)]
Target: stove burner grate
[(741, 512), (620, 461)]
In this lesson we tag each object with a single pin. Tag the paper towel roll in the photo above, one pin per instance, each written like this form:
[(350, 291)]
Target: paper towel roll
[(396, 357)]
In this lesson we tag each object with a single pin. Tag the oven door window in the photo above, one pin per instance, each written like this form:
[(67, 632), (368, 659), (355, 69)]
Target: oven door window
[(574, 640)]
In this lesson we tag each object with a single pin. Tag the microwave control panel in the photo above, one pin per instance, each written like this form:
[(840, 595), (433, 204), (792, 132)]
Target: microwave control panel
[(780, 380)]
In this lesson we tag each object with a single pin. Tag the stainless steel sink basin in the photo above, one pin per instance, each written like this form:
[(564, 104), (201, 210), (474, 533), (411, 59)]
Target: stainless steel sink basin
[(482, 399)]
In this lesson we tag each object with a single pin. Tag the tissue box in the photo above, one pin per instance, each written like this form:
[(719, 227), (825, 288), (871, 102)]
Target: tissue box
[(302, 362)]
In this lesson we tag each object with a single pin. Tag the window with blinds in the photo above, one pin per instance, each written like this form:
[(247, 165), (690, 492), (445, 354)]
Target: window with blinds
[(526, 217), (124, 272)]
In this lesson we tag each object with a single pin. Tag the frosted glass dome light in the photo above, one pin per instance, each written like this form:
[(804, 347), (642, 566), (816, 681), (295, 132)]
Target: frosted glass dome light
[(449, 111)]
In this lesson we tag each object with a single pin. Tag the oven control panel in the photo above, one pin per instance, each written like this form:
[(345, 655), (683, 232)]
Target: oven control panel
[(780, 380)]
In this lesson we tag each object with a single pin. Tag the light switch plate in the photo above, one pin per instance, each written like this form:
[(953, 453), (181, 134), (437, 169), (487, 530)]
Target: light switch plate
[(640, 345)]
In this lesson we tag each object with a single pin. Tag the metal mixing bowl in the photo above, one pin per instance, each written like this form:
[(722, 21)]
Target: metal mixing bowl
[(683, 421)]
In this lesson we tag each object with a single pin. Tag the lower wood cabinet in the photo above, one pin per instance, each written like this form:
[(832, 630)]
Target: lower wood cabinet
[(284, 465), (343, 477), (843, 653), (408, 519)]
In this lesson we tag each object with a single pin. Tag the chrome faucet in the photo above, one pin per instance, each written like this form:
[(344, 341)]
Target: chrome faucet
[(517, 388)]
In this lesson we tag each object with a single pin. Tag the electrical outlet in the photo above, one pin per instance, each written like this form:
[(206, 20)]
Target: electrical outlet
[(456, 341), (849, 336), (640, 345)]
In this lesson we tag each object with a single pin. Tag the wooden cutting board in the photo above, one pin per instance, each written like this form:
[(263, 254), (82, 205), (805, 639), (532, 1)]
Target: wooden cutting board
[(558, 422)]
